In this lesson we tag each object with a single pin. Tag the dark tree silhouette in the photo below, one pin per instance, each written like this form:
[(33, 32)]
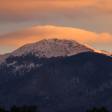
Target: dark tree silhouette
[(2, 109), (102, 109), (24, 109)]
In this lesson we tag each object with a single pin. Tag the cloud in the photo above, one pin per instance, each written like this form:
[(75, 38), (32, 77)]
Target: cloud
[(19, 10), (17, 39)]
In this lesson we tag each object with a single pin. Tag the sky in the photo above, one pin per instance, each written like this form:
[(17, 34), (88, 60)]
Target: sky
[(86, 17)]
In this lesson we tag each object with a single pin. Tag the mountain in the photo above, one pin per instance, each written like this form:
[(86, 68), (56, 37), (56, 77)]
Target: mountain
[(50, 48), (56, 75)]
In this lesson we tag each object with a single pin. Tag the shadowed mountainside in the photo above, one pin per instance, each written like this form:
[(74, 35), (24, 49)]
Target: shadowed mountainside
[(72, 83)]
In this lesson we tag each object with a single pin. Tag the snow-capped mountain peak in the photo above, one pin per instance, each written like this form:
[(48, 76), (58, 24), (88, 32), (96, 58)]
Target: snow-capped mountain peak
[(52, 48)]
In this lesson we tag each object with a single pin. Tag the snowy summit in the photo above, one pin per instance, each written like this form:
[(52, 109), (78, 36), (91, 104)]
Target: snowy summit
[(52, 48)]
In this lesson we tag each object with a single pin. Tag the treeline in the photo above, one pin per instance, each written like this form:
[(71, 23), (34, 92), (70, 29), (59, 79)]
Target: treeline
[(21, 109), (101, 109), (36, 109)]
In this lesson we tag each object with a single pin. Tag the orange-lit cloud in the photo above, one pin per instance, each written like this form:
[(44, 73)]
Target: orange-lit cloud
[(30, 5), (34, 34), (28, 9)]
